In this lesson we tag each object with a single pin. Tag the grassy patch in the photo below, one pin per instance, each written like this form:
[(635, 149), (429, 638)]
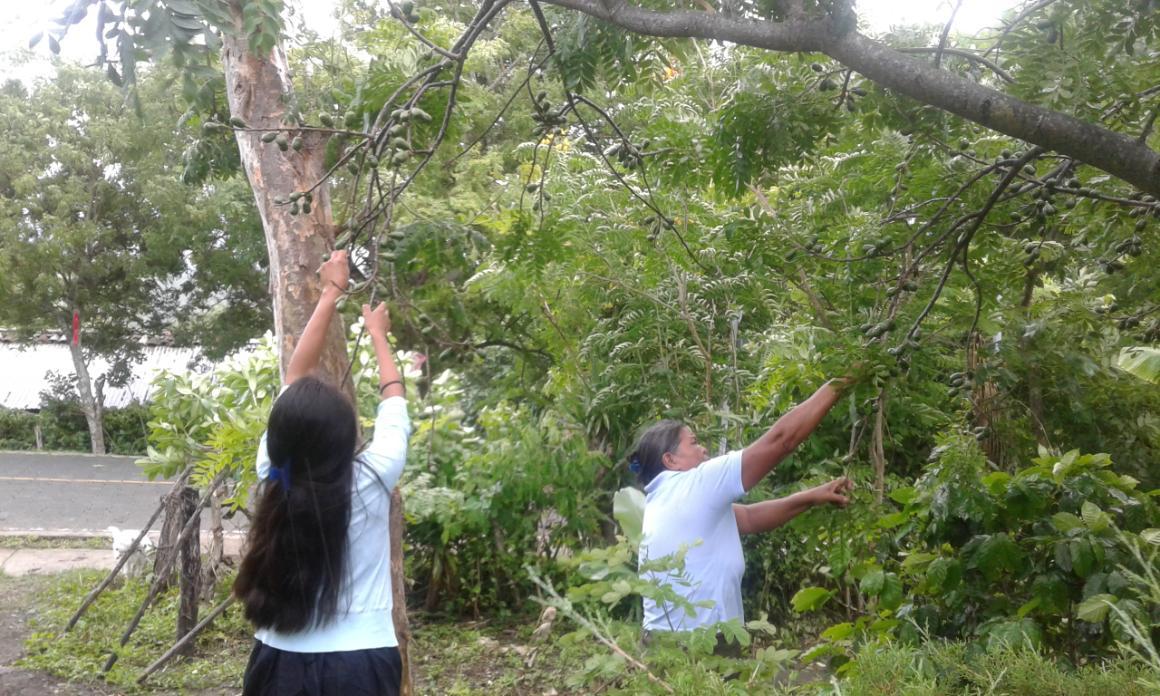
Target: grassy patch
[(54, 542), (957, 668), (488, 658), (218, 662)]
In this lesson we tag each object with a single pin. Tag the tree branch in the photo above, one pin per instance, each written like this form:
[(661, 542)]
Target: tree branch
[(1115, 153)]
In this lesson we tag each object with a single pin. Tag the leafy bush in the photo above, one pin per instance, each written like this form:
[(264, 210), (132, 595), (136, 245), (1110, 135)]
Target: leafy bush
[(64, 428), (17, 429), (1032, 557)]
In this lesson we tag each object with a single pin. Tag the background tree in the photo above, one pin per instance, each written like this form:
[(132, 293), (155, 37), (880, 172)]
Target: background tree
[(96, 223)]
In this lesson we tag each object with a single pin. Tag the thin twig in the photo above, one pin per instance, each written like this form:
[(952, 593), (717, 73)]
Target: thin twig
[(193, 633), (942, 40), (968, 55)]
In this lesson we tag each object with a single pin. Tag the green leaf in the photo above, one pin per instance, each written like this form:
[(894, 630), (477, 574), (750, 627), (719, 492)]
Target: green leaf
[(838, 631), (628, 509), (1142, 362), (1083, 558), (871, 583), (891, 596), (1015, 634), (1094, 609), (915, 562), (1096, 520), (1151, 536), (903, 495), (996, 554), (1065, 521), (810, 599)]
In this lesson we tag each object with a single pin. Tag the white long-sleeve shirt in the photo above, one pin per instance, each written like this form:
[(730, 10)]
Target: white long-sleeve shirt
[(364, 602)]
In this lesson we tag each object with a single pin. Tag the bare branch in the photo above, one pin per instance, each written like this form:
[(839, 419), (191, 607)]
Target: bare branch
[(942, 40)]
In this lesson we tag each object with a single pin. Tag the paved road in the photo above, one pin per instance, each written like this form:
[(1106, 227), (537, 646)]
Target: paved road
[(74, 492)]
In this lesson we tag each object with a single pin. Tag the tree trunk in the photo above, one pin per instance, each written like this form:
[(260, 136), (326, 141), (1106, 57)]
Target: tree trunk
[(91, 404), (190, 569), (167, 540), (258, 89)]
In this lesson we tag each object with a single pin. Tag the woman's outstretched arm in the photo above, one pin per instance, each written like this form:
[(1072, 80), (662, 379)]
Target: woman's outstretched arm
[(771, 514), (335, 276), (759, 458)]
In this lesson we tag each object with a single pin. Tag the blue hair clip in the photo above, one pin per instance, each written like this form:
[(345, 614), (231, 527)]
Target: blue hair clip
[(634, 464), (281, 475)]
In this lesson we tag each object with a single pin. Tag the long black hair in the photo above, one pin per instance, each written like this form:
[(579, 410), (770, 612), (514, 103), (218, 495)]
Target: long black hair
[(647, 460), (296, 560)]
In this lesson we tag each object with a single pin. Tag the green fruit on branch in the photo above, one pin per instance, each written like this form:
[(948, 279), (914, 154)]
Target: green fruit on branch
[(269, 136), (297, 143)]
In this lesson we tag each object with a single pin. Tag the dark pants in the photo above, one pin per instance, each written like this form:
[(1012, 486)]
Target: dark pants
[(274, 672)]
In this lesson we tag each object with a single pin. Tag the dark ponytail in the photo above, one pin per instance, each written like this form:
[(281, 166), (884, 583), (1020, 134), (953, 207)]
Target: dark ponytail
[(295, 564), (647, 460)]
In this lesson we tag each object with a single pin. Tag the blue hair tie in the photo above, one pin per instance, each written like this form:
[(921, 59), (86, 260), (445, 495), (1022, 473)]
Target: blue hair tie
[(281, 475), (634, 464)]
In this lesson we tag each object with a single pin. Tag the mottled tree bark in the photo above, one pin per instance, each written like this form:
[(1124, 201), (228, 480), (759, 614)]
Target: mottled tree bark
[(92, 403), (259, 89)]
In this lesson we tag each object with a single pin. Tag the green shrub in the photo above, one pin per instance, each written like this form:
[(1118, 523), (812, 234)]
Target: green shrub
[(17, 429)]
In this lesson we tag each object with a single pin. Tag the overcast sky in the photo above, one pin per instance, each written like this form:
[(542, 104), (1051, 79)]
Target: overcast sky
[(23, 20)]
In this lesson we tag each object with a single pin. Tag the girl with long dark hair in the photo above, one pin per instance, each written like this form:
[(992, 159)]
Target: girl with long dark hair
[(316, 577)]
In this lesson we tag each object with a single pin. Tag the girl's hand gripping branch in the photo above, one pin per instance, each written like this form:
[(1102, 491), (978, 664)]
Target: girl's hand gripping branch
[(378, 325), (334, 275)]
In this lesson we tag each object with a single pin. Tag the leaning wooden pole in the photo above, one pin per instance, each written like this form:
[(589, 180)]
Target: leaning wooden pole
[(155, 588), (186, 639), (96, 591)]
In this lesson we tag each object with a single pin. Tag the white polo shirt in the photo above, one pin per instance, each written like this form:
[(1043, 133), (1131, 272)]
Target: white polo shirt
[(364, 602), (683, 507)]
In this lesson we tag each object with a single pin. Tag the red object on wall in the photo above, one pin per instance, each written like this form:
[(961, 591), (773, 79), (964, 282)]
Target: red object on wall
[(76, 327)]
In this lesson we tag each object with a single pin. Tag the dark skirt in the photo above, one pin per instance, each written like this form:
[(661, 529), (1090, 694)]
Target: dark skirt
[(274, 672)]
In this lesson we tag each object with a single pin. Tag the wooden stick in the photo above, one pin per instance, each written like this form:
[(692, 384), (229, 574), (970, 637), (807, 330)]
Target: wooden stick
[(96, 591), (155, 588), (193, 633)]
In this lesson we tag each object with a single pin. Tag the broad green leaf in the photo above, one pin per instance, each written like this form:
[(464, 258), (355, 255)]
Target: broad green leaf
[(1083, 558), (1151, 536), (838, 631), (1065, 521), (997, 554), (871, 583), (628, 509), (1096, 520), (891, 596), (810, 599), (1015, 634), (1141, 361), (902, 495), (1094, 609)]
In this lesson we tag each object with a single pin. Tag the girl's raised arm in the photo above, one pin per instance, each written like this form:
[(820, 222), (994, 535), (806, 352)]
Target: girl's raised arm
[(335, 276)]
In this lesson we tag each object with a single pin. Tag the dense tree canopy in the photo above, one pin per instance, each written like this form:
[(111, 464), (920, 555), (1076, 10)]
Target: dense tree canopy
[(592, 215)]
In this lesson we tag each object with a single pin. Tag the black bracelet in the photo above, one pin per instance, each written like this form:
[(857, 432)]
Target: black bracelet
[(384, 385)]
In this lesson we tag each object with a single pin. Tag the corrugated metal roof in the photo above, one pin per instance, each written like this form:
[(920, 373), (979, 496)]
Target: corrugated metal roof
[(24, 371)]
